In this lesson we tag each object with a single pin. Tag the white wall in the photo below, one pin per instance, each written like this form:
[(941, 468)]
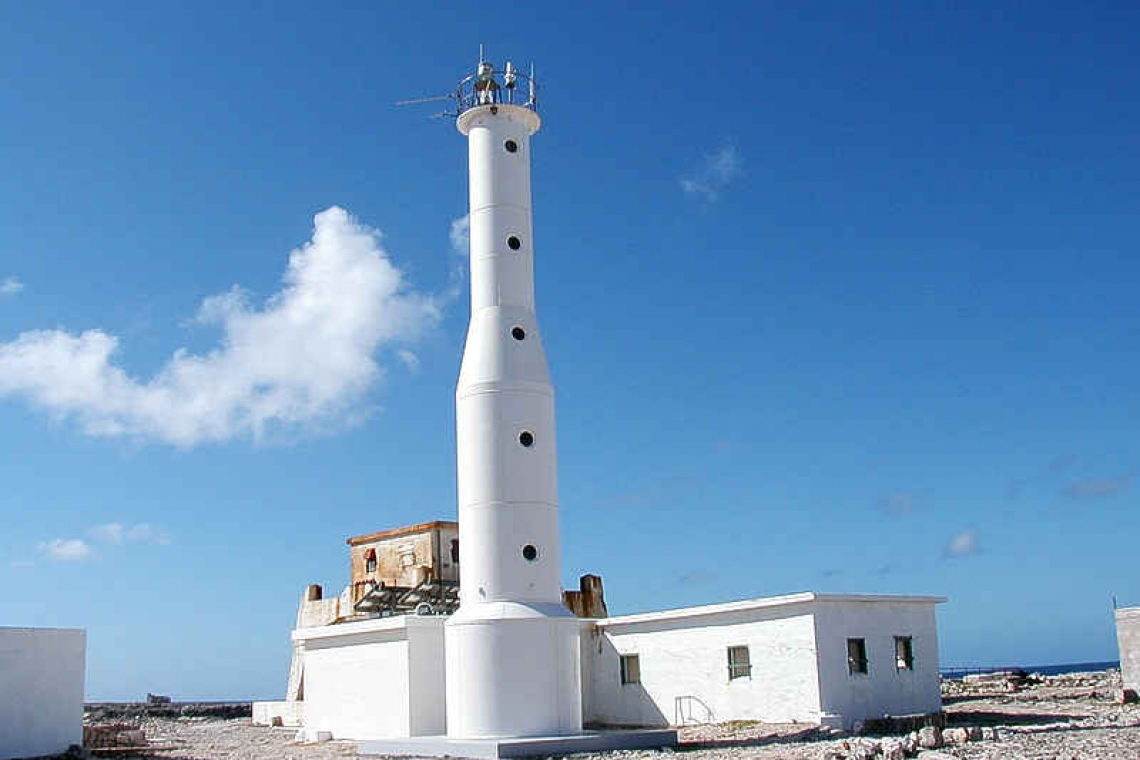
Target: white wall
[(884, 689), (374, 679), (428, 687), (1128, 640), (41, 690), (687, 657)]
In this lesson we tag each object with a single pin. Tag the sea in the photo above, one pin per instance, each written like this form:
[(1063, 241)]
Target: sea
[(1045, 670)]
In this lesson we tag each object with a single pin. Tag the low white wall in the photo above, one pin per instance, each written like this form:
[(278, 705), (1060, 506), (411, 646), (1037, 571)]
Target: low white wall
[(41, 690), (686, 659), (287, 713), (360, 678), (1128, 640), (884, 689)]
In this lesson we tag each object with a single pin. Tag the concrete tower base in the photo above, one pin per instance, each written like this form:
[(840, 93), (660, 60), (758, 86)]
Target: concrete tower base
[(493, 749)]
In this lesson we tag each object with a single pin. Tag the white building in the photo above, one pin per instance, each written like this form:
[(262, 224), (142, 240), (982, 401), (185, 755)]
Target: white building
[(830, 659), (812, 658), (41, 690)]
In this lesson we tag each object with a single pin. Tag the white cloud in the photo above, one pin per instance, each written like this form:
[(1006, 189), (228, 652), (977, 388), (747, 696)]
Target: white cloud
[(461, 235), (714, 172), (110, 533), (10, 286), (409, 359), (303, 359), (65, 549), (963, 544), (117, 533), (899, 504), (147, 533)]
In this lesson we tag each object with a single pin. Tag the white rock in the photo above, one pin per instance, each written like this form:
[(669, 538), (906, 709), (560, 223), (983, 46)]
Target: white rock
[(131, 738), (892, 749), (955, 736), (930, 737), (910, 743)]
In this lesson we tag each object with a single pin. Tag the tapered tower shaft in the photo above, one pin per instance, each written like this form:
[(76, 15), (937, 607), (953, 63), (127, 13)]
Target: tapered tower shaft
[(512, 648)]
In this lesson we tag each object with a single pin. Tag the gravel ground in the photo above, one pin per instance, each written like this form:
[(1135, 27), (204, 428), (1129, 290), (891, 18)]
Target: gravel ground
[(1063, 718)]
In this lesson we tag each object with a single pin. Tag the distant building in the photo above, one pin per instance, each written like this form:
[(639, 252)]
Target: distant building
[(1128, 640), (830, 659)]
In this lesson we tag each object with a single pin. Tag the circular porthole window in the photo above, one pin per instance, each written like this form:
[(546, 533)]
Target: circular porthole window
[(530, 553), (514, 243), (511, 146), (526, 438), (518, 333)]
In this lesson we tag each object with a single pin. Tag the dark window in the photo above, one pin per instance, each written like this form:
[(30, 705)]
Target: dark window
[(455, 550), (514, 243), (511, 146), (857, 655), (526, 438), (630, 668), (904, 653), (530, 554), (370, 565), (518, 333), (738, 664)]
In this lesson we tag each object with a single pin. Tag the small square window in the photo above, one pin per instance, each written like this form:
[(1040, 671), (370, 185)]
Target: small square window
[(630, 668), (857, 655), (370, 566), (904, 653), (738, 664)]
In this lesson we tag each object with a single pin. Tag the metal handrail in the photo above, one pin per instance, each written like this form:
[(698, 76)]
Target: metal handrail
[(500, 87)]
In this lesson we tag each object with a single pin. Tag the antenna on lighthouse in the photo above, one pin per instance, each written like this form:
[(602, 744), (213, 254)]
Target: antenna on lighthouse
[(486, 87)]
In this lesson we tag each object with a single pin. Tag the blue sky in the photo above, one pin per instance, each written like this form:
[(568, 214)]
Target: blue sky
[(836, 297)]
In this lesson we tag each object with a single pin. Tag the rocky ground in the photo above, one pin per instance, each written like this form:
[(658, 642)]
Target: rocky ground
[(1075, 717)]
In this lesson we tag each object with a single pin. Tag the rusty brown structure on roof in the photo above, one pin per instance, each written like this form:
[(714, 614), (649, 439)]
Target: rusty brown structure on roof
[(404, 557), (588, 601)]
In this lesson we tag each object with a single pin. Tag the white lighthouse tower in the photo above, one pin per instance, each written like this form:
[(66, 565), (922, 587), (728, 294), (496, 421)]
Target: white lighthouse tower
[(512, 647)]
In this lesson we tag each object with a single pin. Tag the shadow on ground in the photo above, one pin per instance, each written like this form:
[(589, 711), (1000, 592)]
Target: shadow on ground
[(999, 718), (811, 732)]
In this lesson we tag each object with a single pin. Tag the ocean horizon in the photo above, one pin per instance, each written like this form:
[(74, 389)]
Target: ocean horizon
[(1045, 670)]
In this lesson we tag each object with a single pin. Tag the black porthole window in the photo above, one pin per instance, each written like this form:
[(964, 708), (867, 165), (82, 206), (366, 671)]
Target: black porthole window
[(518, 333), (526, 438), (511, 146), (530, 553), (514, 243)]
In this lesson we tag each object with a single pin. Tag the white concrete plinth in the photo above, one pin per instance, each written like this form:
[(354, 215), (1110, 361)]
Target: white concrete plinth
[(493, 749)]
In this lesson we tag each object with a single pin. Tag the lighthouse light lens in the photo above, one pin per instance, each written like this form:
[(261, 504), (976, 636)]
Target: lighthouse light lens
[(530, 553)]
